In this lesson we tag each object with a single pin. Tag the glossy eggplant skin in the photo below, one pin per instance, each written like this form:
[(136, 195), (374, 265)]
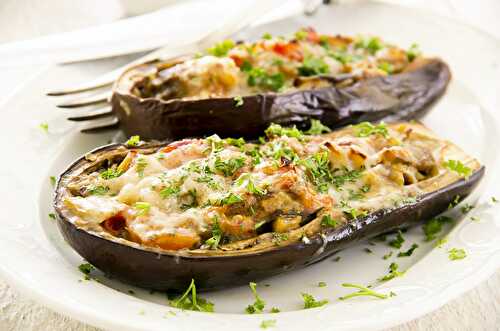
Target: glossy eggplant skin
[(397, 97), (164, 270)]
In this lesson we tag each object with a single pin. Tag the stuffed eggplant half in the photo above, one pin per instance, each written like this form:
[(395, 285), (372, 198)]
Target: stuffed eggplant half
[(226, 212), (239, 89)]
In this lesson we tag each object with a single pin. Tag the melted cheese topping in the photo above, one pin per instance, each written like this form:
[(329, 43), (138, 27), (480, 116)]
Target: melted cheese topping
[(211, 192)]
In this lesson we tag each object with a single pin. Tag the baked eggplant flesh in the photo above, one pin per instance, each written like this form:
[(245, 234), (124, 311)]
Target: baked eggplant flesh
[(225, 212), (238, 89)]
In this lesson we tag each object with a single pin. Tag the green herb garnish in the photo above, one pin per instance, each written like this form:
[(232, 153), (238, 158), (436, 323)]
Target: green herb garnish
[(133, 141), (258, 306), (142, 208), (313, 66), (275, 310), (192, 302), (230, 166), (279, 237), (393, 273), (276, 130), (388, 255), (433, 226), (456, 254), (168, 191), (386, 67), (372, 45), (217, 234), (398, 241), (311, 302), (321, 284), (44, 127), (328, 221), (258, 77), (238, 101), (52, 216), (140, 165), (364, 291), (413, 52), (267, 324), (221, 49), (110, 173), (466, 208), (86, 269), (53, 180), (318, 170), (317, 128), (458, 167), (230, 199), (409, 252), (267, 36), (98, 190), (365, 129)]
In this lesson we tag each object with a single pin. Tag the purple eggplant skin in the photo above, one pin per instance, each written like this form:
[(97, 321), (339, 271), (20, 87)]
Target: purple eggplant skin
[(170, 270), (404, 96)]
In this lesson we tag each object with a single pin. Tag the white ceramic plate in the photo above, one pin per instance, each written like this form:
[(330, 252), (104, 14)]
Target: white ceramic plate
[(35, 258)]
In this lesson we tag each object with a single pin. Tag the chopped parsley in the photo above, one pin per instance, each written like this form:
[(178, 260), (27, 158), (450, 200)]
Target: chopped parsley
[(342, 57), (458, 167), (275, 310), (494, 200), (398, 241), (267, 324), (364, 291), (279, 237), (98, 190), (367, 250), (230, 166), (409, 252), (342, 176), (372, 45), (413, 52), (221, 49), (168, 191), (246, 179), (52, 216), (313, 66), (321, 284), (192, 302), (194, 200), (388, 255), (235, 142), (86, 269), (328, 221), (238, 101), (142, 208), (301, 34), (258, 306), (258, 77), (53, 180), (393, 273), (216, 144), (217, 234), (140, 165), (311, 302), (456, 254), (133, 141), (267, 36), (466, 208), (433, 226), (441, 242), (111, 173), (317, 128), (276, 130), (365, 129), (231, 199), (386, 67), (318, 170), (44, 127)]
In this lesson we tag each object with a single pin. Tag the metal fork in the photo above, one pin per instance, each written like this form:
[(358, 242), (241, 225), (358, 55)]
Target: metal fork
[(94, 96)]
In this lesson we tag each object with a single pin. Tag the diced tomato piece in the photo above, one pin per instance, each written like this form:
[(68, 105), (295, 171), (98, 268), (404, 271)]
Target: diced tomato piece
[(175, 145), (237, 60), (290, 50), (312, 35)]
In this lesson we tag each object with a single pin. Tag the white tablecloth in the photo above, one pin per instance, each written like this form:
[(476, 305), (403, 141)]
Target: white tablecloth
[(478, 309)]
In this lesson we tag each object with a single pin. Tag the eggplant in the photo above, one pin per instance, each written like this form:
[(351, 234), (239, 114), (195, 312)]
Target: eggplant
[(403, 96), (160, 269)]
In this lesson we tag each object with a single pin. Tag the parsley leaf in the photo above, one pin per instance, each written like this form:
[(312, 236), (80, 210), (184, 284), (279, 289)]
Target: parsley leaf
[(393, 273), (364, 291), (328, 221), (456, 254), (466, 208), (238, 101), (192, 302), (409, 252), (142, 208), (258, 306), (276, 130), (321, 284), (221, 49), (386, 67), (267, 324), (313, 66), (217, 234), (110, 173), (365, 129), (230, 166), (317, 128), (230, 199), (86, 269), (311, 302), (98, 190), (140, 165), (413, 52), (44, 127), (318, 170), (53, 180), (258, 77), (433, 226), (169, 191), (133, 141), (398, 241), (458, 167)]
